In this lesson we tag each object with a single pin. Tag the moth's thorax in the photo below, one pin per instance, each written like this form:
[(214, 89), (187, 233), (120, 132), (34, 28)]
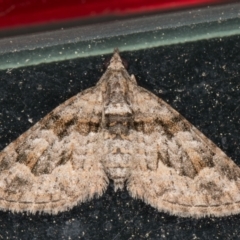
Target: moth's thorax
[(117, 109)]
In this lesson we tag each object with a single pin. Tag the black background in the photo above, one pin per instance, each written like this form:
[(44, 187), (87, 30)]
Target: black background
[(199, 79)]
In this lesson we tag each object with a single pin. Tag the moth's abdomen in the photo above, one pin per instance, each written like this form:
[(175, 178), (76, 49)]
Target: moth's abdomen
[(117, 160), (117, 168)]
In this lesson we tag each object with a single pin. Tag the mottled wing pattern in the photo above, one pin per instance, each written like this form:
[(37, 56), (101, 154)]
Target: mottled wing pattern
[(52, 166), (176, 168), (122, 132)]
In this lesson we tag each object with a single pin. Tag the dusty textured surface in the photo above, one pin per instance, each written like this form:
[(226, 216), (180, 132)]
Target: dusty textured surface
[(119, 131), (209, 101)]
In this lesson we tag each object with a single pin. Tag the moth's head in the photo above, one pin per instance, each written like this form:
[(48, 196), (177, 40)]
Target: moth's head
[(116, 73), (116, 61)]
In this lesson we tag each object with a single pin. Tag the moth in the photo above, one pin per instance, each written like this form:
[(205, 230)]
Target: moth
[(121, 132)]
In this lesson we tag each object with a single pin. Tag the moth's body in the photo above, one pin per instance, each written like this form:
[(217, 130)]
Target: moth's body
[(120, 131), (117, 123)]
